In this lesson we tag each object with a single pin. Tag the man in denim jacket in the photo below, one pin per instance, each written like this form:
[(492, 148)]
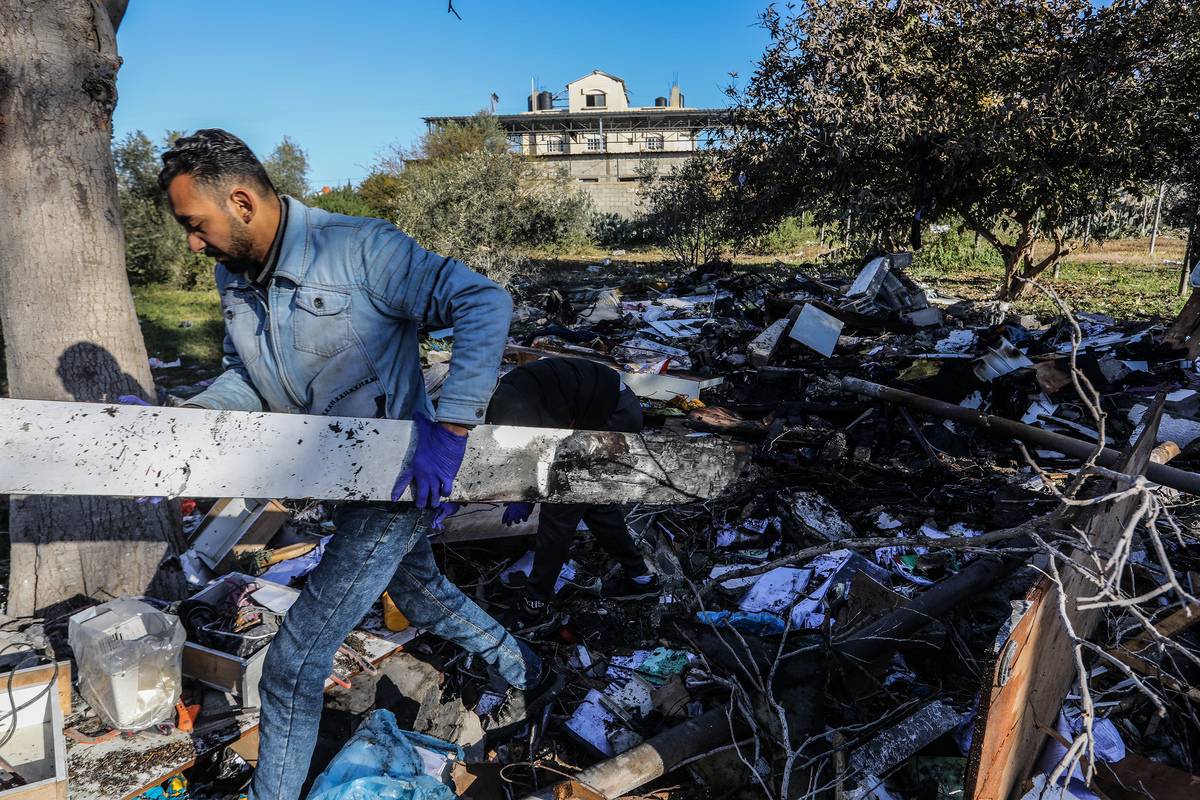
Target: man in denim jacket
[(321, 317)]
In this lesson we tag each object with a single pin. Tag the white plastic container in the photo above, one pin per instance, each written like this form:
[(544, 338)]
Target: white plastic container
[(128, 654)]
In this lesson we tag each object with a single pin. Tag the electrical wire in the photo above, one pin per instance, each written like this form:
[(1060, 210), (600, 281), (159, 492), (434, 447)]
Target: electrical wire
[(9, 718)]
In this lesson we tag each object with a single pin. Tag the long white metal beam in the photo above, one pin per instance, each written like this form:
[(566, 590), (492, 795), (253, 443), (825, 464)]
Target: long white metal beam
[(131, 451)]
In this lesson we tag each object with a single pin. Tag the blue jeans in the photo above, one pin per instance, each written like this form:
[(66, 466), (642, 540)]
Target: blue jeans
[(376, 547)]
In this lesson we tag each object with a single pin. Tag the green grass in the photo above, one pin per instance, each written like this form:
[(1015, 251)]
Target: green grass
[(162, 310), (1120, 288)]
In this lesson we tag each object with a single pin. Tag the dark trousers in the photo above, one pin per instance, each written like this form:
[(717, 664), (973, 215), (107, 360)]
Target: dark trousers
[(557, 522)]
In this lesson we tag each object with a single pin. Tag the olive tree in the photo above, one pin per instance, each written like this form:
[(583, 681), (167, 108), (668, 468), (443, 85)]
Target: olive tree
[(1018, 117), (690, 208)]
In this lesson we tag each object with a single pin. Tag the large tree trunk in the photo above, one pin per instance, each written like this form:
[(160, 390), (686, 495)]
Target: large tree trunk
[(68, 318)]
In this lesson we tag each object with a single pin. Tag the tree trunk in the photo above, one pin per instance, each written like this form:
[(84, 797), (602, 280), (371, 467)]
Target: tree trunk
[(1191, 252), (1162, 190), (68, 318)]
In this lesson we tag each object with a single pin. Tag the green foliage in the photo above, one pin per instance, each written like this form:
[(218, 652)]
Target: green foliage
[(955, 249), (691, 209), (381, 188), (460, 191), (789, 235), (1020, 118), (288, 167), (488, 209), (156, 248), (613, 230), (480, 133), (343, 200)]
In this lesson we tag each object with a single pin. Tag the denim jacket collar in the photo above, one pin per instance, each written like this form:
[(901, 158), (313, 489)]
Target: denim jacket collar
[(293, 250)]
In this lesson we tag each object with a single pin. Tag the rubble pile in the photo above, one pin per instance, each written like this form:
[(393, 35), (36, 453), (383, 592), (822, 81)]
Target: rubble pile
[(894, 601), (852, 508)]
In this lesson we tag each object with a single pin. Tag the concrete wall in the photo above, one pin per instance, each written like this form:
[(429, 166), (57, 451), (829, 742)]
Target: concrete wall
[(621, 141), (577, 91), (610, 179)]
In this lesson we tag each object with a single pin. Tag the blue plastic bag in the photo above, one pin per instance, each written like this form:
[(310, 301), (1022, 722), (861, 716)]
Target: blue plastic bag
[(759, 623), (381, 761)]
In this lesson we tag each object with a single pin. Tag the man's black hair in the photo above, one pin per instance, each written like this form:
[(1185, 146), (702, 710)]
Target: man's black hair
[(212, 156)]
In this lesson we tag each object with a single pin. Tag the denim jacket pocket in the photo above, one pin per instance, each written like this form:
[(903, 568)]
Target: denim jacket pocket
[(321, 321), (243, 323)]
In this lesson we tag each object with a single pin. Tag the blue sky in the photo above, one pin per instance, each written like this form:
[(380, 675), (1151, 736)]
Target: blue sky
[(347, 78)]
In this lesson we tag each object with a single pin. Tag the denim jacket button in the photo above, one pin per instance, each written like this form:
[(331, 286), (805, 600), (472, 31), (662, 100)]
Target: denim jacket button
[(318, 303)]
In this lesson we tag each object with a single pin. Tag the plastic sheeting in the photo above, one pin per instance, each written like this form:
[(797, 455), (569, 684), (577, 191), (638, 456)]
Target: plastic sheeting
[(128, 654), (382, 762)]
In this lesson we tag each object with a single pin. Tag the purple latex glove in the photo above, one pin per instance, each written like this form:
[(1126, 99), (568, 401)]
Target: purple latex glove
[(131, 400), (443, 513), (515, 513), (436, 460)]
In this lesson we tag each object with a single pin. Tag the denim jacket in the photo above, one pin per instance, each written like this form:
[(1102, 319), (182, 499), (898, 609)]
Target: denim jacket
[(337, 332)]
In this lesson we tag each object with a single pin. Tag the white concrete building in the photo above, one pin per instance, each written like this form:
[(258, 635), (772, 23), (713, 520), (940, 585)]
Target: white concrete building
[(593, 132)]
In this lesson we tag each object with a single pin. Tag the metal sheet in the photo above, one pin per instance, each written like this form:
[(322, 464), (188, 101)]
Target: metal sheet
[(132, 451)]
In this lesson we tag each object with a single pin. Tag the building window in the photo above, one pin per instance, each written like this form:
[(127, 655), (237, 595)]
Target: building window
[(654, 141), (597, 144), (594, 100), (556, 144), (588, 180)]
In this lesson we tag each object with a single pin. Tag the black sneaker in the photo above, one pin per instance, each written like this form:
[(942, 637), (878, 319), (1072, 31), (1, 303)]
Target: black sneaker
[(532, 608), (623, 587), (582, 583), (519, 705)]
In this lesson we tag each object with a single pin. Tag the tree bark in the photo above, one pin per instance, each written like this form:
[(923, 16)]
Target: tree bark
[(70, 329), (1191, 252)]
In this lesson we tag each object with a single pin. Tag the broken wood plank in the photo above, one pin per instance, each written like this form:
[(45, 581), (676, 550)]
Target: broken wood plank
[(892, 746), (132, 451), (1035, 666)]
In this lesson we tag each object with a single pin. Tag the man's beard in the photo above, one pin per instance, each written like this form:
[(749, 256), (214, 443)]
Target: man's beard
[(240, 257)]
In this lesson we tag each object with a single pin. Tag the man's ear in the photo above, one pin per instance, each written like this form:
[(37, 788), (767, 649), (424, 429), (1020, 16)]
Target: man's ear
[(243, 203)]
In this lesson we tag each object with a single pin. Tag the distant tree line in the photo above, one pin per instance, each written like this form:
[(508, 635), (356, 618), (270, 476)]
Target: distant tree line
[(459, 191)]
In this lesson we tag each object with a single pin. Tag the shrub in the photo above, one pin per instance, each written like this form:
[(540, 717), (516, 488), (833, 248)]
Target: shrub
[(689, 209), (954, 250), (488, 209), (788, 236)]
